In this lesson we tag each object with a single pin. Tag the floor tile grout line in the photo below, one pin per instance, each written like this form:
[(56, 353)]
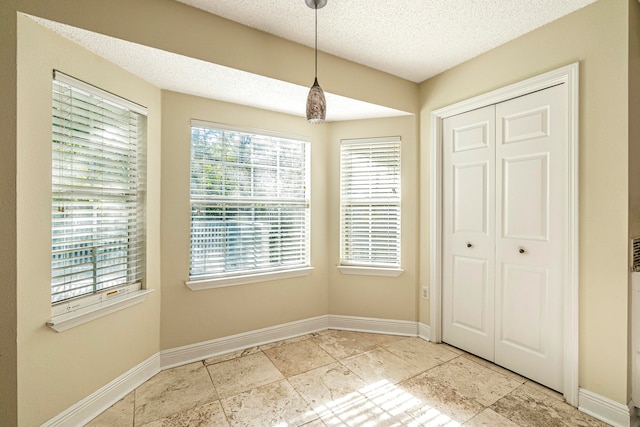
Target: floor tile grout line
[(213, 384), (304, 400)]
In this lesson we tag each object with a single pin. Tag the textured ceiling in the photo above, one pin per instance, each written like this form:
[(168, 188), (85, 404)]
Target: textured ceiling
[(195, 77), (412, 39)]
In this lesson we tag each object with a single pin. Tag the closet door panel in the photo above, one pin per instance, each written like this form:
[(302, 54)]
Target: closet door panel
[(531, 139), (525, 195), (523, 308), (469, 231)]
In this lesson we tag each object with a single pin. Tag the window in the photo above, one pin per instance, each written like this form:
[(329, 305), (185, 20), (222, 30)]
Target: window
[(98, 195), (370, 204), (249, 205)]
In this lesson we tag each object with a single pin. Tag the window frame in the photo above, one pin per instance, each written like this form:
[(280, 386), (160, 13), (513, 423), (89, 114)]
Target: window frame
[(350, 265), (245, 276), (75, 310)]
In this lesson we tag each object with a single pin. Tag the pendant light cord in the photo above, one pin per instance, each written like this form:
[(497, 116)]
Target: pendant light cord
[(316, 3)]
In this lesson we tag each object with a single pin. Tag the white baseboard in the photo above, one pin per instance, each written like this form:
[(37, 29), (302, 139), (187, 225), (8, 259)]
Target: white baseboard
[(607, 410), (203, 350), (368, 324), (424, 331), (94, 404)]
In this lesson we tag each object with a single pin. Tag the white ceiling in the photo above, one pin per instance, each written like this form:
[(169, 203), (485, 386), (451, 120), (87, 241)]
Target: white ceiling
[(412, 39)]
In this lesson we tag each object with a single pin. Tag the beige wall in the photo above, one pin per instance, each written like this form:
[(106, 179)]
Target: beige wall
[(597, 37), (375, 296), (634, 119), (634, 143), (193, 316), (56, 370), (8, 238)]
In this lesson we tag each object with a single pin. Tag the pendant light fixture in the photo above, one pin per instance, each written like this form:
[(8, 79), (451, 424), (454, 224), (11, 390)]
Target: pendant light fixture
[(316, 103)]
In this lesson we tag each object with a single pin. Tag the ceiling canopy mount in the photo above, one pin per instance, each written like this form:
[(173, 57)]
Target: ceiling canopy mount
[(316, 4)]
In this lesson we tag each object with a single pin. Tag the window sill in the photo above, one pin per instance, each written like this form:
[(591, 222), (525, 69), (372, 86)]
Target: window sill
[(86, 314), (370, 271), (199, 285)]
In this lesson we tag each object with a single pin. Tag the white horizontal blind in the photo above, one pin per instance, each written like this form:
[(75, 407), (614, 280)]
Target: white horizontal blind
[(249, 202), (98, 191), (370, 202)]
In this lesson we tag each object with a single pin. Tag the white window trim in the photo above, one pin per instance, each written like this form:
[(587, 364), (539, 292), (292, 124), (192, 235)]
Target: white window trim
[(346, 267), (223, 282), (75, 312), (86, 314), (247, 277), (370, 271)]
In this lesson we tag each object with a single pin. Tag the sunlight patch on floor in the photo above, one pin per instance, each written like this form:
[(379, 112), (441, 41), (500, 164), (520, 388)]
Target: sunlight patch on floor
[(380, 402)]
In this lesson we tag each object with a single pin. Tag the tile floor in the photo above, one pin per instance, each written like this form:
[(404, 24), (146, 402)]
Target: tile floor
[(341, 378)]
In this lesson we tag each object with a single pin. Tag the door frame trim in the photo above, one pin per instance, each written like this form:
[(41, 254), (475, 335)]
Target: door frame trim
[(568, 75)]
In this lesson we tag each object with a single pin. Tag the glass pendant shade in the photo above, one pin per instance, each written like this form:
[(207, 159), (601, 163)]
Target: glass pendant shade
[(316, 104)]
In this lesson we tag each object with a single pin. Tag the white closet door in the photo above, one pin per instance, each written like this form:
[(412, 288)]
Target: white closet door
[(503, 221), (531, 138), (469, 233)]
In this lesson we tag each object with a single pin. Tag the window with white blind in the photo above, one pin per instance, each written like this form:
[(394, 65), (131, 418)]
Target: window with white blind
[(370, 204), (98, 195), (249, 205)]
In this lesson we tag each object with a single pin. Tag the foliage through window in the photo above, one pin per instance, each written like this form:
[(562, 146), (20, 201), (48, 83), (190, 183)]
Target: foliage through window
[(370, 202), (249, 202), (98, 191)]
